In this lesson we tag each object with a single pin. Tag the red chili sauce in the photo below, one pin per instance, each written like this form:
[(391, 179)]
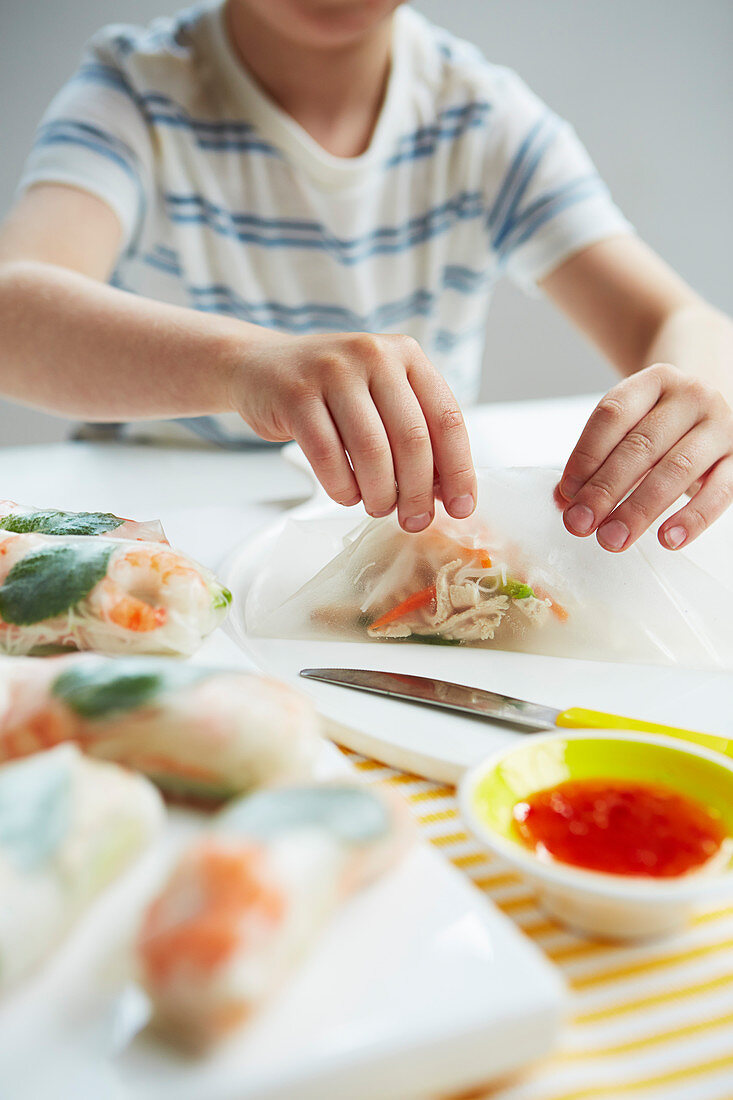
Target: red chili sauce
[(620, 827)]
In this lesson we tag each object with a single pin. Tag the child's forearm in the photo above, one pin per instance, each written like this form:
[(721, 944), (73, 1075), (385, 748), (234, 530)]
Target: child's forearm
[(698, 340), (373, 416), (74, 346)]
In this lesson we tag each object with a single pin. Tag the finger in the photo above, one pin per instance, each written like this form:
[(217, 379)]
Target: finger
[(683, 464), (708, 503), (412, 452), (636, 454), (322, 446), (613, 417), (449, 438), (365, 439)]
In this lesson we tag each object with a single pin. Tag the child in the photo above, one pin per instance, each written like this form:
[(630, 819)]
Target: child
[(310, 201)]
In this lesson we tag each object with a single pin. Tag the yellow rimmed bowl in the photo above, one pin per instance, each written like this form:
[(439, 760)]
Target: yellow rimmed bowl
[(593, 903)]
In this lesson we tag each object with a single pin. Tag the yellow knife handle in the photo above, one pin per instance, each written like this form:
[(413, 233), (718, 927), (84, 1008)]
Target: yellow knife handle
[(578, 718)]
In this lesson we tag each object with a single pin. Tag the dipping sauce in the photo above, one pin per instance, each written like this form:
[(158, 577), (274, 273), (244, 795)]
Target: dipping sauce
[(620, 827)]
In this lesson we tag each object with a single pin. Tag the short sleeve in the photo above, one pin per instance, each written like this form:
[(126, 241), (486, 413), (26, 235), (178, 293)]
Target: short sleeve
[(546, 198), (94, 136)]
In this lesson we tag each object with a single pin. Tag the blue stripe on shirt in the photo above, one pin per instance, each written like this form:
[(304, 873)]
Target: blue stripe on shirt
[(73, 128), (239, 136), (295, 233), (88, 142), (465, 280), (519, 174), (322, 316), (590, 189)]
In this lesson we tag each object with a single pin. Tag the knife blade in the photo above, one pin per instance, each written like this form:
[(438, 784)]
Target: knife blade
[(532, 717)]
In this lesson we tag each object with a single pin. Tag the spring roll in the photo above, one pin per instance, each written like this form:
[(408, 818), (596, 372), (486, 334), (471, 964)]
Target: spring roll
[(199, 733), (451, 585), (111, 595), (247, 901), (68, 826), (24, 519)]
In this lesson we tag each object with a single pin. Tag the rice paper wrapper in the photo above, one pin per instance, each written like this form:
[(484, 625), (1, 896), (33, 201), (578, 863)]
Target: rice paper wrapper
[(510, 577), (26, 518)]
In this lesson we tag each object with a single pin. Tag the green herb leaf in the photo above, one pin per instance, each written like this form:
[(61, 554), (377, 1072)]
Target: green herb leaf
[(35, 806), (433, 639), (356, 816), (48, 581), (51, 522), (95, 689)]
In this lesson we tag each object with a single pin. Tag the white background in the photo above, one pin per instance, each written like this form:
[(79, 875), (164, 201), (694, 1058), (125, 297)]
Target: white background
[(648, 85)]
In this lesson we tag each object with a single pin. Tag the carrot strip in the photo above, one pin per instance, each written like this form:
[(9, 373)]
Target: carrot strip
[(412, 603), (556, 608)]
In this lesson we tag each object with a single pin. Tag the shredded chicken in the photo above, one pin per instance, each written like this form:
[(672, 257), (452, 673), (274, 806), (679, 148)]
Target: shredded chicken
[(463, 596), (533, 609), (478, 624), (468, 607)]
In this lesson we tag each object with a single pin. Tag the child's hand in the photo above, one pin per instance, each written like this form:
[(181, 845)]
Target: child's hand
[(665, 433), (371, 414)]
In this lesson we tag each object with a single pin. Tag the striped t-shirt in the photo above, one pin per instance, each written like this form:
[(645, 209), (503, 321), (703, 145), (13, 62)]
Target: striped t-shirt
[(229, 206)]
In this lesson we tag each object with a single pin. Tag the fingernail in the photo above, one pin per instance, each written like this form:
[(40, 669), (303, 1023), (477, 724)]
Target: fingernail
[(350, 503), (462, 507), (674, 537), (580, 519), (569, 486), (382, 514), (613, 535), (417, 523)]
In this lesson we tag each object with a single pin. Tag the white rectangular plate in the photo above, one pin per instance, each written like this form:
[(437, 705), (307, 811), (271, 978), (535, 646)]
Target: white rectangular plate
[(418, 986)]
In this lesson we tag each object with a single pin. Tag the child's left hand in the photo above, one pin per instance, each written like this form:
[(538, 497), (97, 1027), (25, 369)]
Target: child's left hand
[(660, 433)]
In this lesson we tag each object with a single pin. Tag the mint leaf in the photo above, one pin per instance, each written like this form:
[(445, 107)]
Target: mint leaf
[(356, 816), (95, 690), (51, 580), (35, 806), (51, 522)]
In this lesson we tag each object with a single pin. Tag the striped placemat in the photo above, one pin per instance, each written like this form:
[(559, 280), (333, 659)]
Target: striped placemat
[(651, 1021)]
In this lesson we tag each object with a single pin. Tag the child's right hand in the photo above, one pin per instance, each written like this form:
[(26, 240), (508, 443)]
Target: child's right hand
[(374, 418)]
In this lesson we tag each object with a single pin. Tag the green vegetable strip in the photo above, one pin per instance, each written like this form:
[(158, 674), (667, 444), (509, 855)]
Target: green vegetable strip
[(516, 590)]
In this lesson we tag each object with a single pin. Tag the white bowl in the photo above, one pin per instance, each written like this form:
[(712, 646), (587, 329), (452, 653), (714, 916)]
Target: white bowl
[(608, 906)]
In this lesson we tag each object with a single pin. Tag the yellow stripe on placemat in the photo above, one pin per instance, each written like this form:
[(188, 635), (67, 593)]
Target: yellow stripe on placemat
[(431, 794), (653, 1000), (648, 1040), (610, 1090), (658, 978), (439, 815), (646, 966)]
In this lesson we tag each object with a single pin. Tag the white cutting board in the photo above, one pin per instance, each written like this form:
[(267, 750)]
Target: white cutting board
[(419, 986), (437, 743)]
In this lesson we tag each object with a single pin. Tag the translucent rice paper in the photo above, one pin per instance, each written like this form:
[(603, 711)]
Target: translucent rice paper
[(201, 733), (510, 577), (105, 594), (68, 826), (251, 898), (24, 518)]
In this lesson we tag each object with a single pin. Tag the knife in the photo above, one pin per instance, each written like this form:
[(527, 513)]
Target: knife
[(501, 708)]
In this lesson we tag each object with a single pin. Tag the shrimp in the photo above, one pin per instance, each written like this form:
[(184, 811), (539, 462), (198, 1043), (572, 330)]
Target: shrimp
[(112, 595), (144, 585), (220, 909)]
